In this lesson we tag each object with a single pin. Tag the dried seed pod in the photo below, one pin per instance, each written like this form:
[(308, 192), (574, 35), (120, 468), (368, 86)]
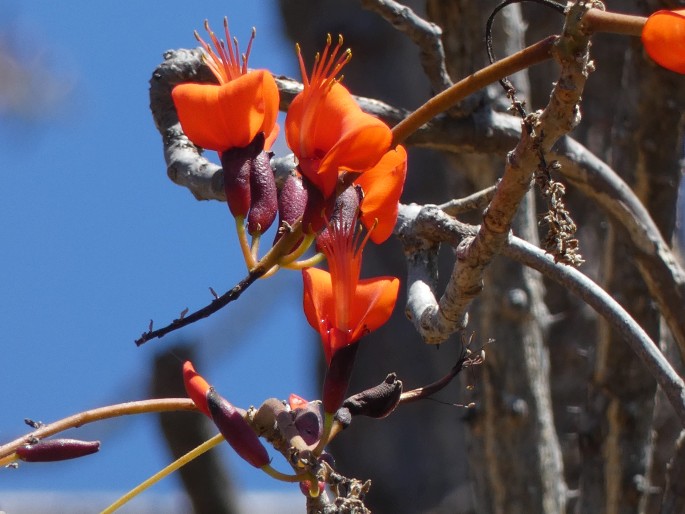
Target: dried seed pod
[(237, 432), (378, 401), (57, 449)]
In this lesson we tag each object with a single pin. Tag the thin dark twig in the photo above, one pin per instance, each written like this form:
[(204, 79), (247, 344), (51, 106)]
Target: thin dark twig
[(478, 200), (508, 87), (426, 35), (467, 358), (217, 304)]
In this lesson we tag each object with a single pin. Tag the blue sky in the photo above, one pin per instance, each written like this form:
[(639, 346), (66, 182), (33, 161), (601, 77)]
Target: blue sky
[(96, 241)]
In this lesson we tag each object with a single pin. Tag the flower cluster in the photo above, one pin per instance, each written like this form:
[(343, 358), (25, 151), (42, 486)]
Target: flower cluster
[(343, 191)]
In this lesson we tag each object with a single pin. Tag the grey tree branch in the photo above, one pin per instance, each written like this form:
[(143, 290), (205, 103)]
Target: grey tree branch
[(433, 226), (436, 323), (661, 271), (185, 164), (426, 35), (669, 380)]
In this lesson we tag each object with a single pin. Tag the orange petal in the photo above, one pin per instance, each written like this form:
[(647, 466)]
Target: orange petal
[(219, 117), (374, 302), (663, 37), (297, 402), (196, 387), (382, 186), (333, 128), (318, 299)]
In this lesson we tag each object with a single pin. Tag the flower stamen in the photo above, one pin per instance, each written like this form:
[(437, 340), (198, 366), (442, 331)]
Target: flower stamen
[(225, 60)]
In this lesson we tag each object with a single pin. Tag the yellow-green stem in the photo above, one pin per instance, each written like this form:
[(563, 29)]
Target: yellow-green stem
[(297, 253), (273, 473), (527, 57), (271, 272), (244, 245), (185, 459), (6, 461), (328, 418), (277, 251), (255, 246), (307, 263)]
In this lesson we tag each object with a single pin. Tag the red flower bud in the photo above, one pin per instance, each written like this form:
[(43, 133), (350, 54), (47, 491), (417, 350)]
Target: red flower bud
[(196, 387), (57, 449), (237, 432), (338, 376)]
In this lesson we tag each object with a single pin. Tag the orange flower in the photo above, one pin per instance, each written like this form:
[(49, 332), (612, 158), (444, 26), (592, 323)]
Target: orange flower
[(663, 37), (382, 186), (231, 113), (326, 129), (336, 302)]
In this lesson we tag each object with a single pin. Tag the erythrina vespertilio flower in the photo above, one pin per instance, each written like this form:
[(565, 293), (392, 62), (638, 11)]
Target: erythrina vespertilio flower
[(237, 118), (325, 128), (337, 303), (340, 305), (663, 37), (231, 113)]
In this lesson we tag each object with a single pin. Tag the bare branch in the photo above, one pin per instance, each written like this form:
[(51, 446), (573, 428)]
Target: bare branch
[(99, 414), (185, 164), (426, 35), (674, 495), (477, 201), (217, 304), (662, 273), (474, 254), (669, 380), (434, 226)]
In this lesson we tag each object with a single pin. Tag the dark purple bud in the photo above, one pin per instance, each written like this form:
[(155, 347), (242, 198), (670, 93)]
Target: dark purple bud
[(345, 212), (318, 209), (264, 195), (292, 201), (338, 377), (57, 449), (328, 459), (237, 164), (308, 422), (377, 402), (237, 432)]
